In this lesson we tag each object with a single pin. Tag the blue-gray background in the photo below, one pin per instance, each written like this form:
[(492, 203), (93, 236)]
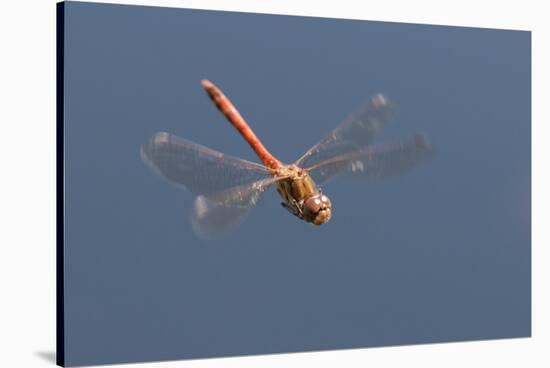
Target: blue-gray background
[(440, 254)]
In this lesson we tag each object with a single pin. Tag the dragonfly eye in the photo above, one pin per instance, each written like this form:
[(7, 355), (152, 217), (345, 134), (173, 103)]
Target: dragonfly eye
[(317, 209)]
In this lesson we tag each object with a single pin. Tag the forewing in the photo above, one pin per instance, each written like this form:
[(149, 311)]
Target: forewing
[(354, 133), (199, 169), (375, 161)]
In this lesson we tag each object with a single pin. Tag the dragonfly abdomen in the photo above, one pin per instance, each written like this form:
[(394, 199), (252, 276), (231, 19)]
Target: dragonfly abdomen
[(232, 114)]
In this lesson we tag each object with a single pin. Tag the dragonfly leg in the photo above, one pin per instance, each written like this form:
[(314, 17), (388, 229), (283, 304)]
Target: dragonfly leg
[(293, 208), (290, 209)]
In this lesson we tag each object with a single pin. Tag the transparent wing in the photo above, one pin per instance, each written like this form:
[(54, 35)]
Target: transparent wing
[(199, 169), (381, 160), (354, 133), (219, 212), (227, 187)]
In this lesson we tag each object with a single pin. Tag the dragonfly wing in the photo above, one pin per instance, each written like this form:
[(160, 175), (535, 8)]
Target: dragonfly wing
[(227, 187), (219, 212), (199, 169), (357, 131), (375, 161)]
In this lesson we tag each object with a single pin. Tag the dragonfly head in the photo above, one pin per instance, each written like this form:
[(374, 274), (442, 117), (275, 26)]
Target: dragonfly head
[(317, 209)]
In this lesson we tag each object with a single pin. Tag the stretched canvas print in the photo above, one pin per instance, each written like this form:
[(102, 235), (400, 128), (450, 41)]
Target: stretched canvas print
[(236, 184)]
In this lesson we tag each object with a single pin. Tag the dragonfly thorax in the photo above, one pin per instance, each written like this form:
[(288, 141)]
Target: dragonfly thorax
[(302, 197)]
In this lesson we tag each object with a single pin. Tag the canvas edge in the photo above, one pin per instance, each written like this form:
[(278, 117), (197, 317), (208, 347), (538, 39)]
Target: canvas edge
[(60, 202)]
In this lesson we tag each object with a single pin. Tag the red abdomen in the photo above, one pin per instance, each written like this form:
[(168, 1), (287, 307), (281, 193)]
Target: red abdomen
[(231, 113)]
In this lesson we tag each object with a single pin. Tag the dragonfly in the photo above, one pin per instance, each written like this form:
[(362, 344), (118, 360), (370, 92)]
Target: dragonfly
[(228, 187)]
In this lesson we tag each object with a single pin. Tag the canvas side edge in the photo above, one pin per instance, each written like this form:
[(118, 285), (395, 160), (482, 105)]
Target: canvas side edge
[(60, 190)]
